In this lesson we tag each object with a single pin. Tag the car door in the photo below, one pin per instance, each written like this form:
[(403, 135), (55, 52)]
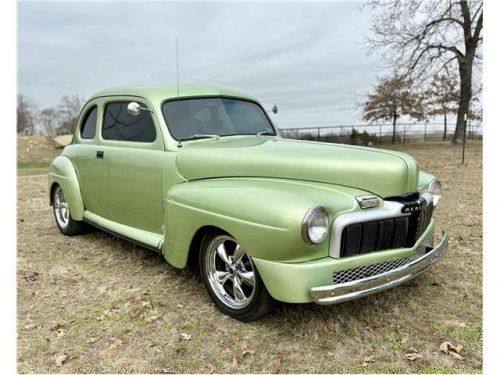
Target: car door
[(123, 184)]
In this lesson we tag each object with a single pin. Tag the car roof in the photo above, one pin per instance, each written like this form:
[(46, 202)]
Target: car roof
[(165, 92)]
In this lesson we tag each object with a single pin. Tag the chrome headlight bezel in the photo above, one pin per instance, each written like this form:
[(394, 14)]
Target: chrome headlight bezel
[(315, 213), (436, 190)]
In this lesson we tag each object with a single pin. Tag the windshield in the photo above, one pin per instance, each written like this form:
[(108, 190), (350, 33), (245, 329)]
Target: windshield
[(190, 118)]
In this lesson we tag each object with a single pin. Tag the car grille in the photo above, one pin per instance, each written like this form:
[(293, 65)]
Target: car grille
[(393, 233), (358, 273)]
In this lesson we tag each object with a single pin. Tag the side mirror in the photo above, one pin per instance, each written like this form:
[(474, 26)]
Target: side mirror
[(134, 109), (275, 109)]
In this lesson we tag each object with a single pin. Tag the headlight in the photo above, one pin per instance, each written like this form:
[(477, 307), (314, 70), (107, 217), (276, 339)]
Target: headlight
[(436, 190), (315, 225)]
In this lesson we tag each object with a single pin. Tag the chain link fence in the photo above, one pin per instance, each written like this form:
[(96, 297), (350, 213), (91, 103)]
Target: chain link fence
[(363, 134)]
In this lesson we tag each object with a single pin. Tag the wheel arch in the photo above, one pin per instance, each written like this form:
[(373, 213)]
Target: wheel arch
[(194, 246), (63, 173)]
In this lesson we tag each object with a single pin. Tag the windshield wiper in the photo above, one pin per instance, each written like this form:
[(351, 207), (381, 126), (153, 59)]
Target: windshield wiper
[(265, 132), (200, 136), (197, 136)]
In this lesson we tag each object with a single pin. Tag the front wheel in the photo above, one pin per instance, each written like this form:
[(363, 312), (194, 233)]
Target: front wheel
[(231, 278), (65, 223)]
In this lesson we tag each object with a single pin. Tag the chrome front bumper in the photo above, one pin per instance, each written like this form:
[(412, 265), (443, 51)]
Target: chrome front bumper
[(336, 293)]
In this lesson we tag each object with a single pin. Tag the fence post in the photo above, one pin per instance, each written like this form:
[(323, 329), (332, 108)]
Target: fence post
[(318, 134), (352, 135), (425, 132), (380, 134), (404, 133)]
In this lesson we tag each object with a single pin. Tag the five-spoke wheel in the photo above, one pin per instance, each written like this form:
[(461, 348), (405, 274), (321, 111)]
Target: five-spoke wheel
[(232, 279), (64, 221)]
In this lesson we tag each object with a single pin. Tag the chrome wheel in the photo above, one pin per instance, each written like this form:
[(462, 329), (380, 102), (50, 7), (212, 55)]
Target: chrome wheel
[(61, 208), (230, 272)]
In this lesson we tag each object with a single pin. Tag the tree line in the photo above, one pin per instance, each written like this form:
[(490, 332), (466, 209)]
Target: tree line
[(50, 121), (397, 96)]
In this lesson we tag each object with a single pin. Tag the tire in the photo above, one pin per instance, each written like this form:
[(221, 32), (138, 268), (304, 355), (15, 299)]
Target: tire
[(62, 215), (231, 278)]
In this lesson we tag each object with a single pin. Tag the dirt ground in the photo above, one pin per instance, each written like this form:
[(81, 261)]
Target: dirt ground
[(97, 304)]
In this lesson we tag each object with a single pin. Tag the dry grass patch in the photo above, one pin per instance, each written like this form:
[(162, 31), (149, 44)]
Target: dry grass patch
[(94, 303)]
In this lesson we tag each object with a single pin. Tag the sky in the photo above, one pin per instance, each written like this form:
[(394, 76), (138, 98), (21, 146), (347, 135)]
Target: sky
[(306, 57)]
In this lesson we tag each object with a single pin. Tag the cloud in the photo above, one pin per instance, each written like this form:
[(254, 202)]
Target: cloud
[(305, 57)]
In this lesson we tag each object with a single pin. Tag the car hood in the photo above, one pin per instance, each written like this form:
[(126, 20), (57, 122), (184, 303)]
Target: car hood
[(381, 172)]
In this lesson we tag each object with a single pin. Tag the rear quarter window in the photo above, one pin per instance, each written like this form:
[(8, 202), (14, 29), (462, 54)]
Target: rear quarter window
[(89, 123)]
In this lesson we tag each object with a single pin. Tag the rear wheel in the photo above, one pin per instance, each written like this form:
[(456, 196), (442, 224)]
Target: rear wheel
[(231, 278), (65, 223)]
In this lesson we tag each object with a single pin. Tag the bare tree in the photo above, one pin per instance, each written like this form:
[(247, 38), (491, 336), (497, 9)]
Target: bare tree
[(50, 121), (68, 110), (393, 98), (442, 97), (423, 37), (26, 113)]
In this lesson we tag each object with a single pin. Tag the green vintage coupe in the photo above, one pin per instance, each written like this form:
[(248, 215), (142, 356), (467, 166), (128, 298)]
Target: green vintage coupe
[(200, 174)]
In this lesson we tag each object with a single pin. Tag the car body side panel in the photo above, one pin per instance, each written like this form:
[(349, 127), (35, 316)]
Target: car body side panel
[(264, 215), (63, 173)]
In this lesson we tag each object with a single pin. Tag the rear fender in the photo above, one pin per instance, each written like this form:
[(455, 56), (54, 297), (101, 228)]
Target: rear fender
[(63, 173)]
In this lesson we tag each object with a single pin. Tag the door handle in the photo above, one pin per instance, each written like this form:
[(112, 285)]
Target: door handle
[(100, 155)]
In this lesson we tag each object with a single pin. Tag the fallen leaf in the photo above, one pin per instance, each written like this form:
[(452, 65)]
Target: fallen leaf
[(277, 360), (444, 347), (61, 359), (113, 310), (60, 332), (211, 368), (234, 364), (246, 352), (151, 318), (456, 356), (455, 351), (100, 318), (180, 306), (146, 304), (367, 361), (116, 343), (185, 336), (29, 326), (413, 356), (57, 326), (91, 340)]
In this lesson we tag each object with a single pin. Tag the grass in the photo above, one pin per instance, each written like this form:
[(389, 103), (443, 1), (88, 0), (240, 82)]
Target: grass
[(111, 306)]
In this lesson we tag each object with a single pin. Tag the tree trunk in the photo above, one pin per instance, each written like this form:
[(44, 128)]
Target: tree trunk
[(394, 117), (445, 127), (465, 97)]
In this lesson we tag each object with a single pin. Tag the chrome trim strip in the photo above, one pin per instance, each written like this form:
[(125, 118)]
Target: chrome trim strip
[(389, 210), (336, 293)]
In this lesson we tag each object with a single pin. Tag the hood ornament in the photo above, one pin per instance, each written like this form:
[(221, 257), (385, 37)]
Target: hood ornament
[(367, 201)]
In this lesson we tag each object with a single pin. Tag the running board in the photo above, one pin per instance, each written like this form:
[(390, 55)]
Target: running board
[(149, 240)]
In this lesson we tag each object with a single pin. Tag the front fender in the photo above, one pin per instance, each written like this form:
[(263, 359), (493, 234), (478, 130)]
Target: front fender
[(62, 172), (264, 215), (424, 180)]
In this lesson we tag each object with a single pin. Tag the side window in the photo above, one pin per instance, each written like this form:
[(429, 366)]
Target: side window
[(87, 130), (119, 125)]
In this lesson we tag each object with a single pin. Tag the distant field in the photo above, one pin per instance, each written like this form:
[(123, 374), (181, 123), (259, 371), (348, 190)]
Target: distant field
[(98, 304), (34, 154)]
